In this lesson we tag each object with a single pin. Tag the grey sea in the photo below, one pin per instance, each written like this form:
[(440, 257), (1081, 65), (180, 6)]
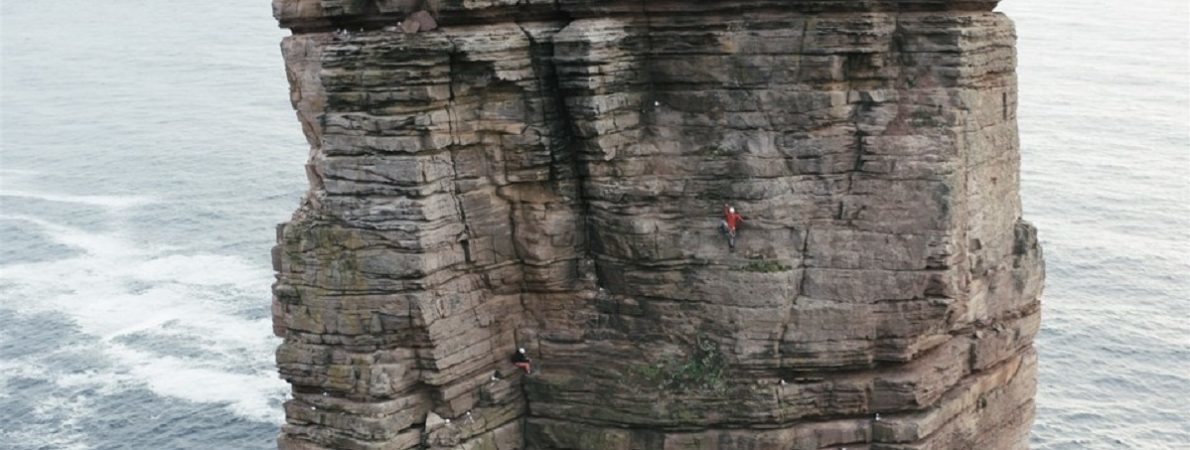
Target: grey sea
[(147, 148)]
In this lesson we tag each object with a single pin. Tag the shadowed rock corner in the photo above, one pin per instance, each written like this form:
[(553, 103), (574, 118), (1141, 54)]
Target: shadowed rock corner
[(552, 174)]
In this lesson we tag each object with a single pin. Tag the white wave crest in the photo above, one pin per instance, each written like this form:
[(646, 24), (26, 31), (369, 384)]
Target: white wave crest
[(114, 202), (118, 291)]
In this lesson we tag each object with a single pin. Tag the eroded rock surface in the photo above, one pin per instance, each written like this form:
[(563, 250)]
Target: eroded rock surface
[(550, 175)]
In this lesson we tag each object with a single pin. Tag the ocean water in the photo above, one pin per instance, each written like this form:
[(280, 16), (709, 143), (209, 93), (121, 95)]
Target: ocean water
[(147, 148), (1105, 175)]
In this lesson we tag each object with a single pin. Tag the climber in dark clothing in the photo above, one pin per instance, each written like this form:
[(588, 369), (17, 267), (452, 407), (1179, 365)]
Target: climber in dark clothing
[(521, 360), (731, 220)]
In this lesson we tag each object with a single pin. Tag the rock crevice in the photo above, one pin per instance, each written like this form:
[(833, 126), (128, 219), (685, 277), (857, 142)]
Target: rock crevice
[(550, 174)]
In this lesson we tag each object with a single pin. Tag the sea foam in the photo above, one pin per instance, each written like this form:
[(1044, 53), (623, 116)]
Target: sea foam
[(116, 290)]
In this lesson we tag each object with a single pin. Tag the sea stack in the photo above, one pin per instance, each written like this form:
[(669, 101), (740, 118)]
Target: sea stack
[(552, 175)]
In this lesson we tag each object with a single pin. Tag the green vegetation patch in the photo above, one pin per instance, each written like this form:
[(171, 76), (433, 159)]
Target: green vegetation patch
[(766, 266), (703, 369), (714, 151)]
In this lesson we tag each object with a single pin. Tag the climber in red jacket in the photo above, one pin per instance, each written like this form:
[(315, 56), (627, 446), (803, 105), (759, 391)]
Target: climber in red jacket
[(521, 360), (731, 220)]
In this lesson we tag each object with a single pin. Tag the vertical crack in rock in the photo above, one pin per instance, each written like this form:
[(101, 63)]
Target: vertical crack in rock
[(549, 174)]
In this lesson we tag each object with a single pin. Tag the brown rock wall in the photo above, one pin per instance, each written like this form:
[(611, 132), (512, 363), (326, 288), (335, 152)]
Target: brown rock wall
[(550, 175)]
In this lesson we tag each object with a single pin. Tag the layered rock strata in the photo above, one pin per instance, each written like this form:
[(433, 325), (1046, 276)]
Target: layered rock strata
[(550, 175)]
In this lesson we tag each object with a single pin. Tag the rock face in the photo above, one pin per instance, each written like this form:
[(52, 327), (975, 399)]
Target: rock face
[(550, 174)]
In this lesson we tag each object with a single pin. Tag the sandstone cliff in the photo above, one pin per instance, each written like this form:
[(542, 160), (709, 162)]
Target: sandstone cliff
[(549, 174)]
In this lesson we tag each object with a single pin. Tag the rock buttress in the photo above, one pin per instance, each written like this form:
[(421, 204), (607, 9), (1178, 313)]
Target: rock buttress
[(550, 175)]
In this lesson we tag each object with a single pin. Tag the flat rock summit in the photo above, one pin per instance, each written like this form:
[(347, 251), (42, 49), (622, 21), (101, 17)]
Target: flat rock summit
[(488, 175)]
